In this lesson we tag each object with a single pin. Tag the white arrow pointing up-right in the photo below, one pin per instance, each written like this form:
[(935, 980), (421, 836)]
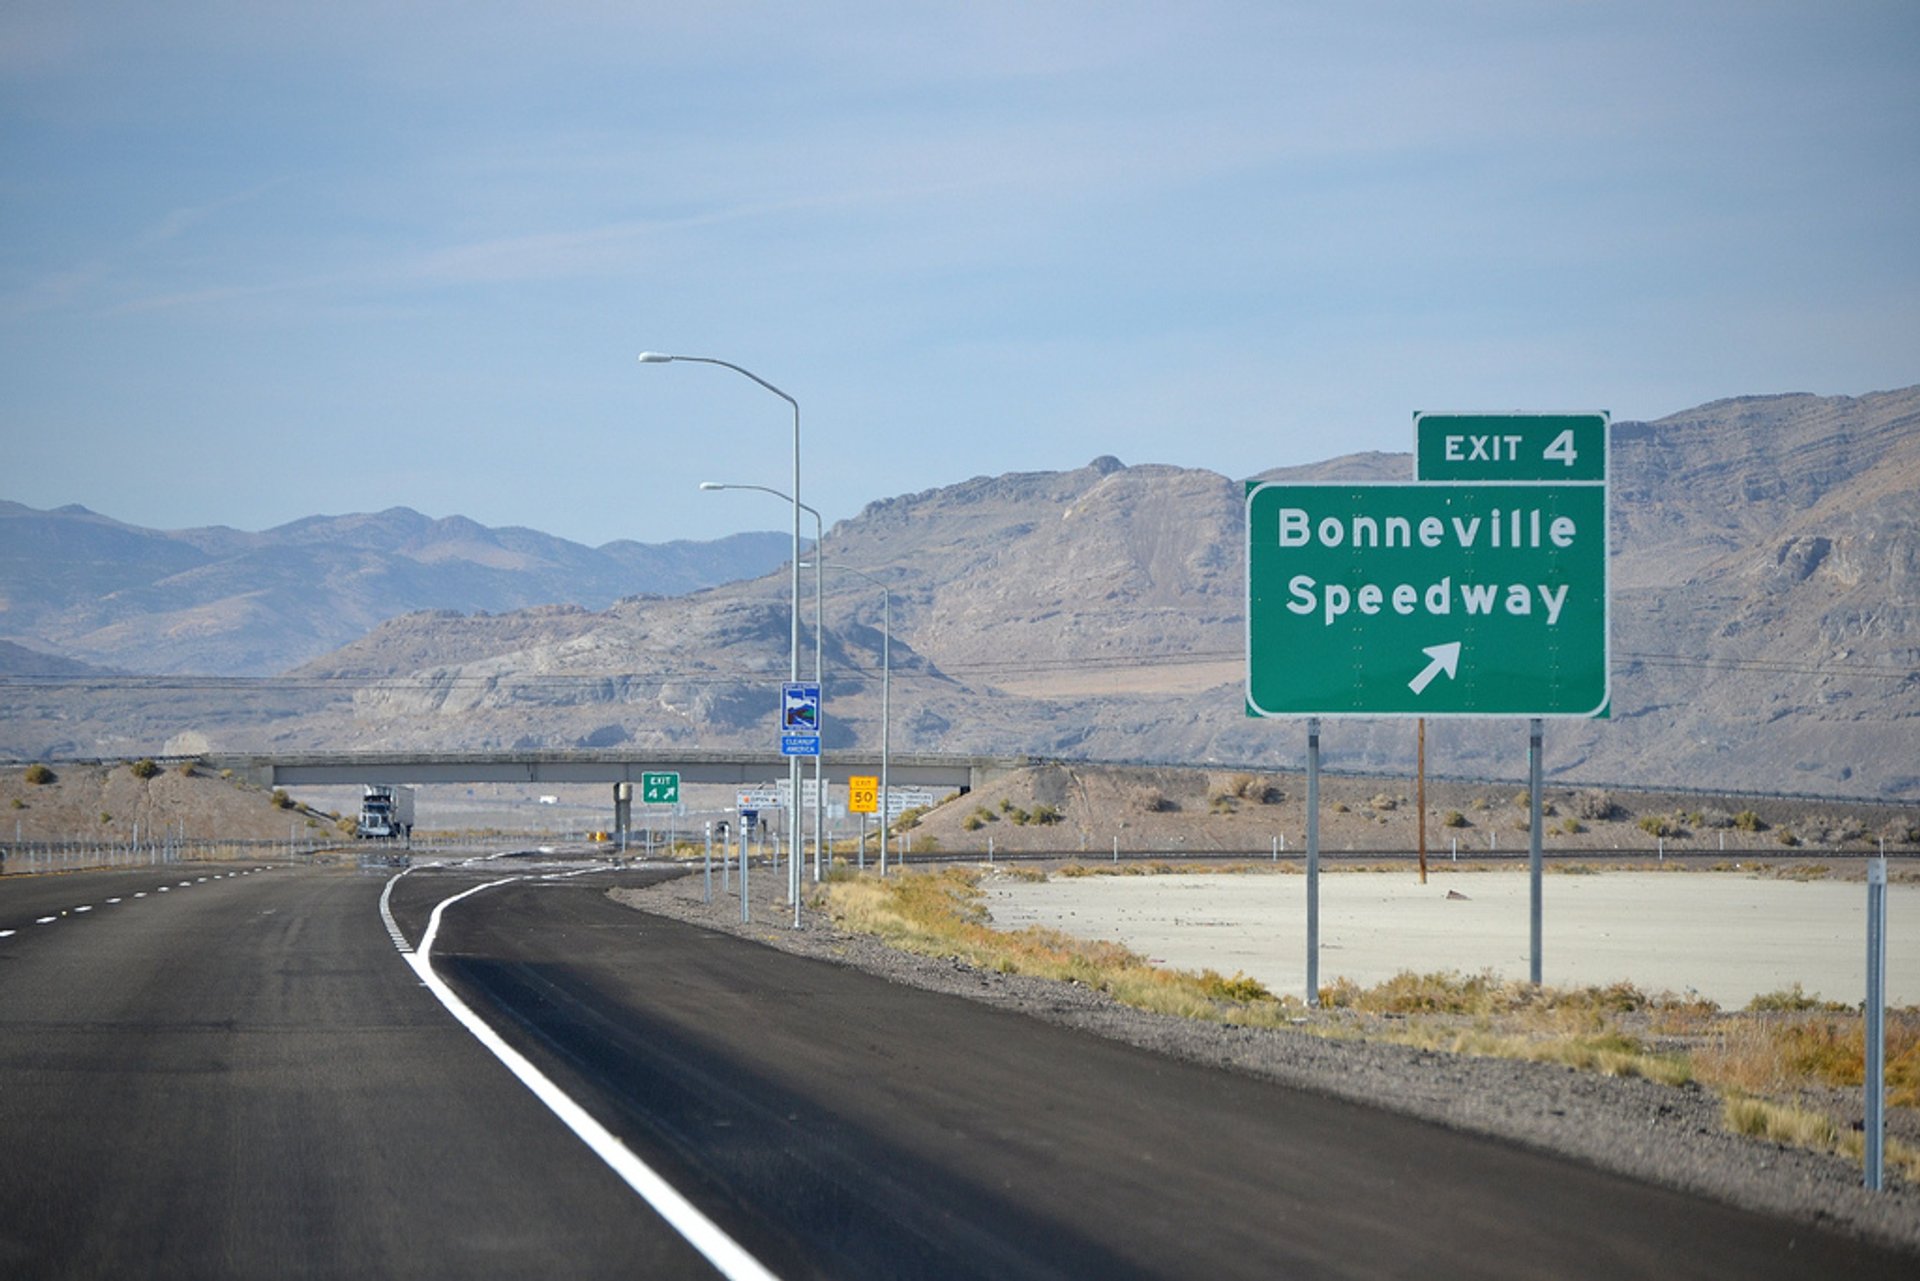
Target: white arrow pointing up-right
[(1445, 658)]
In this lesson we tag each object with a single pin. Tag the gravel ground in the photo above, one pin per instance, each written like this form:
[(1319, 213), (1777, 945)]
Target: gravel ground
[(1661, 1134)]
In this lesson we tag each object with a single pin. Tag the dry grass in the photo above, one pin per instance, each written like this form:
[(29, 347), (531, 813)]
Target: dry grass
[(1483, 1015), (1778, 1055), (1792, 1125), (939, 913)]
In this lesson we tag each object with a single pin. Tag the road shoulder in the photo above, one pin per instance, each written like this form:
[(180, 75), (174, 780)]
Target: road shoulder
[(1669, 1136)]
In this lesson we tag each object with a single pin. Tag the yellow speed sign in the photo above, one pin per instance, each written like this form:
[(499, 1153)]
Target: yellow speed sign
[(863, 794)]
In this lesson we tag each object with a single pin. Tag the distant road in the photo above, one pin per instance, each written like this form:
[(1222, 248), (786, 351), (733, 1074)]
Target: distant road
[(243, 1078)]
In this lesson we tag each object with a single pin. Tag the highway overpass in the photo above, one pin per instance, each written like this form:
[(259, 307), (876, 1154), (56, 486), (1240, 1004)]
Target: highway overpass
[(309, 769)]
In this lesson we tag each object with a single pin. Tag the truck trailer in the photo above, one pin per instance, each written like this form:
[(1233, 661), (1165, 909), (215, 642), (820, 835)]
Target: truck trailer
[(386, 812)]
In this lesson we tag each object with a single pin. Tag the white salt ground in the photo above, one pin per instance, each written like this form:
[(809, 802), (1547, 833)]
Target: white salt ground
[(1725, 936)]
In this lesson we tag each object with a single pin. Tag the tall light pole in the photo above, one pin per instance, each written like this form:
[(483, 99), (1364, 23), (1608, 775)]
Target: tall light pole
[(819, 793), (886, 690), (793, 649)]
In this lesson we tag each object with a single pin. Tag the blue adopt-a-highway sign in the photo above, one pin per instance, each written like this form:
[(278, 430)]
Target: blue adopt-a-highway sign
[(800, 718)]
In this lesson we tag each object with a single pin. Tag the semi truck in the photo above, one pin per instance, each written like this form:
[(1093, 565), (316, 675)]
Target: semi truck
[(386, 812)]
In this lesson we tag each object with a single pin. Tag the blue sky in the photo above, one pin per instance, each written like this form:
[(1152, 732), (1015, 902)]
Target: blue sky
[(265, 260)]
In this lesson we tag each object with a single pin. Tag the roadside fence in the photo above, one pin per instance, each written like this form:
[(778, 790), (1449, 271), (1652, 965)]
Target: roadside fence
[(72, 855)]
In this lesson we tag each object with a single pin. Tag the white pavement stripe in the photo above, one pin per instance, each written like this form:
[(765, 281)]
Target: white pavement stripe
[(386, 915), (6, 934), (702, 1233)]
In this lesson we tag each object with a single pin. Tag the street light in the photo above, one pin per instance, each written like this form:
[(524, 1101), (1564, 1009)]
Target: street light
[(819, 794), (793, 649), (886, 689)]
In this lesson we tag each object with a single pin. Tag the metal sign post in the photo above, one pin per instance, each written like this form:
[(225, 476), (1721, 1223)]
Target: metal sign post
[(1420, 795), (799, 736), (1875, 1012), (745, 915), (1313, 860), (1534, 734)]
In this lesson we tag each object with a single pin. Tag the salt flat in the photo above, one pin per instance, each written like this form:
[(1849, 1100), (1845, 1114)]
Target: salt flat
[(1727, 936)]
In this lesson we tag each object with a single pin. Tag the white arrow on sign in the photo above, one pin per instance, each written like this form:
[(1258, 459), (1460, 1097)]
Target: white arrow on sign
[(1446, 658)]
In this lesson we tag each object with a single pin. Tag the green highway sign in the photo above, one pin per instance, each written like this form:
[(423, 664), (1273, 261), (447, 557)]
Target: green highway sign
[(661, 788), (1428, 599), (1555, 448)]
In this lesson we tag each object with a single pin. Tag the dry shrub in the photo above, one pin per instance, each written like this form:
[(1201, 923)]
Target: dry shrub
[(1594, 806), (1445, 992), (1245, 787), (1153, 800)]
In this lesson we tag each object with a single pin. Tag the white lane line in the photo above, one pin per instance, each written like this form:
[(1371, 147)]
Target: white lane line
[(46, 920), (164, 888), (702, 1233), (141, 894), (6, 934), (87, 908), (113, 900), (386, 915)]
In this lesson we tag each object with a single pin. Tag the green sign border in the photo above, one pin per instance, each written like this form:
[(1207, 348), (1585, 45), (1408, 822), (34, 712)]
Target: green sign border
[(646, 778)]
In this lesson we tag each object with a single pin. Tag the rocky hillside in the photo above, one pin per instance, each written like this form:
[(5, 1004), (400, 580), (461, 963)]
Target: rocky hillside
[(115, 805), (1766, 631), (225, 602)]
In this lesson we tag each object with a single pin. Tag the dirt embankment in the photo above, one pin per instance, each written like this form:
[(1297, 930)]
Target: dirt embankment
[(104, 803), (1067, 809)]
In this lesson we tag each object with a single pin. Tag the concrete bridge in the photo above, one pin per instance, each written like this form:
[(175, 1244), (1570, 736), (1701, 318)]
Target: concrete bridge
[(307, 769)]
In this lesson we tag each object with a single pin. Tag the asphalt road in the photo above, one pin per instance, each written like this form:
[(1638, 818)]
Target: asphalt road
[(243, 1078)]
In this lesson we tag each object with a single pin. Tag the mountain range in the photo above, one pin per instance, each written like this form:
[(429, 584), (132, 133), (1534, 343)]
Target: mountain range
[(84, 587), (1765, 566)]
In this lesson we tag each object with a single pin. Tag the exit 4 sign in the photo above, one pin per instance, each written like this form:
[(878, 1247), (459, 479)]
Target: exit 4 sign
[(1555, 448), (662, 788), (1479, 590)]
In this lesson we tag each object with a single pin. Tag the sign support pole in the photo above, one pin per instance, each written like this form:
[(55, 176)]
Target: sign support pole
[(1534, 734), (1420, 797), (796, 856), (1313, 860), (1876, 1022), (744, 915)]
